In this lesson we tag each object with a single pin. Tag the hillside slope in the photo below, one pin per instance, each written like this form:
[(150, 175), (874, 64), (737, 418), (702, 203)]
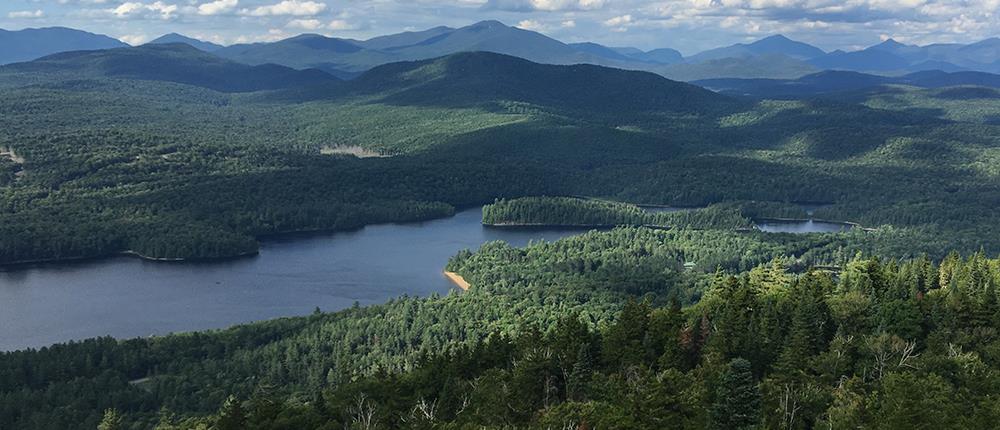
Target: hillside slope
[(33, 43), (479, 77), (178, 63)]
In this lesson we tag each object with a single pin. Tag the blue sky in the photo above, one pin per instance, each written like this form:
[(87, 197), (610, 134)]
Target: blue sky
[(686, 25)]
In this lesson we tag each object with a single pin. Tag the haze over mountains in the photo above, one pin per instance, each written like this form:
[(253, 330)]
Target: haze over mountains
[(774, 57), (29, 44), (175, 62)]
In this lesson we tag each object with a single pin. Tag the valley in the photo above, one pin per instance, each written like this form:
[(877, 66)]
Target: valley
[(391, 233)]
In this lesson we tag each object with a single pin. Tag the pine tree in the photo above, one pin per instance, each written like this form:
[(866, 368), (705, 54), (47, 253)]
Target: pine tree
[(579, 379), (737, 398), (112, 421), (623, 345), (231, 416)]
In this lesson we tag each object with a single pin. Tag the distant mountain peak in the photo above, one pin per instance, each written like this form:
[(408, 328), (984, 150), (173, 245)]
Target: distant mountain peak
[(180, 38), (32, 43), (489, 23), (890, 43), (179, 63), (777, 37)]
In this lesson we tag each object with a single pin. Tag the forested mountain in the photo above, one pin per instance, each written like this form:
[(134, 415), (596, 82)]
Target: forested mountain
[(482, 77), (350, 56), (176, 62), (340, 57), (179, 38), (463, 130), (408, 38), (773, 57), (693, 321), (892, 56), (772, 66), (835, 82), (32, 43), (776, 45)]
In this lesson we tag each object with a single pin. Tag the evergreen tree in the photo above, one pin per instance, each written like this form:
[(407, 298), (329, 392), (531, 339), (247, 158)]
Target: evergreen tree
[(112, 421), (737, 398), (581, 376), (231, 416), (623, 344)]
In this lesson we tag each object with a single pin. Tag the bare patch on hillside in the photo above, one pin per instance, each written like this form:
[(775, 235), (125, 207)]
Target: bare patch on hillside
[(356, 151), (7, 152)]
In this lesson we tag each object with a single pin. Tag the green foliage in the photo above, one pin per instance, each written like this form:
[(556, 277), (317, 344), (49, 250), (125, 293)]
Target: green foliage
[(576, 212), (737, 398), (542, 339), (112, 421)]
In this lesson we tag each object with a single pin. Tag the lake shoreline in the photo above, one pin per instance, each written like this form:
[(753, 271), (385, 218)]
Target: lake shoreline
[(458, 280), (127, 253), (265, 237)]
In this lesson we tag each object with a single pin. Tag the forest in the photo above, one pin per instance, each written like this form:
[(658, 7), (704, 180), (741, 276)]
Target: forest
[(111, 163), (604, 330), (568, 211), (703, 324)]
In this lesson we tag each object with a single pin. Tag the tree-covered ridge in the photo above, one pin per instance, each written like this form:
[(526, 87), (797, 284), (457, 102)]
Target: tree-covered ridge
[(598, 328), (885, 345), (180, 171), (176, 62), (592, 274), (570, 211)]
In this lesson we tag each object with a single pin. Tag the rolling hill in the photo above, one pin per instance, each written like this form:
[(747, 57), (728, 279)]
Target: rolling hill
[(347, 58), (777, 44), (179, 38), (828, 82), (33, 43), (467, 79), (180, 63), (758, 66), (891, 56)]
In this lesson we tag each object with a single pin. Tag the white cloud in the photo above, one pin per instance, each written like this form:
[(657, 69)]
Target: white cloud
[(619, 23), (26, 14), (137, 9), (531, 24), (344, 25), (134, 39), (305, 24), (545, 5), (288, 7), (217, 7)]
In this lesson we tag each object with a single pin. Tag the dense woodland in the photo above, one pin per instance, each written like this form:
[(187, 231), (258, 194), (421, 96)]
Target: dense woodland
[(568, 211), (110, 163), (605, 330), (695, 326)]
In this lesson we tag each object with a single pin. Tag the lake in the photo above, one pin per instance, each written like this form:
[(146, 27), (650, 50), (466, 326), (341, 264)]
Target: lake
[(802, 226), (127, 297)]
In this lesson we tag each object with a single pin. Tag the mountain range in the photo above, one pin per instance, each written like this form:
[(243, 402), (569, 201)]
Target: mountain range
[(773, 57), (175, 62), (456, 80), (32, 43), (836, 81), (178, 38)]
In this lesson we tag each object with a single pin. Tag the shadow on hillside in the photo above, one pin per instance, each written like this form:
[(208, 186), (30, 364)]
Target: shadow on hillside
[(968, 93)]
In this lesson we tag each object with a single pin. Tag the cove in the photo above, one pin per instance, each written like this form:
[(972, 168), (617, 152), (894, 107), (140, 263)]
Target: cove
[(127, 297)]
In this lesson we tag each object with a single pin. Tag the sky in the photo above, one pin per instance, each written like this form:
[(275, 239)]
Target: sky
[(686, 25)]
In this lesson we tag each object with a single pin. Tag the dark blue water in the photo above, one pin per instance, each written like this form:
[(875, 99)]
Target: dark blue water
[(127, 297)]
